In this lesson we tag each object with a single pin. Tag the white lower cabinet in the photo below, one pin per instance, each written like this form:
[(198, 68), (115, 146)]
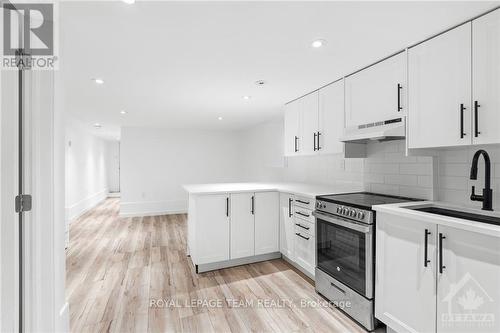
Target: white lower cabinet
[(287, 230), (304, 245), (242, 225), (456, 290), (266, 210), (404, 288)]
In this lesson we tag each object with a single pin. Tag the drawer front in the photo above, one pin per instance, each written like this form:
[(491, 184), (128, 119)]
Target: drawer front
[(305, 250), (304, 227), (303, 213), (305, 202)]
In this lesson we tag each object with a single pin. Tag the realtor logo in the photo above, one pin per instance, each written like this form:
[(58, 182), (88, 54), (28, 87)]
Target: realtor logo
[(29, 29), (469, 306)]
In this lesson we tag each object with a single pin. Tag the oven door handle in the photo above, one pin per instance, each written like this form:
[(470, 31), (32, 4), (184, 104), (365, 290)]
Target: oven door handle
[(366, 229)]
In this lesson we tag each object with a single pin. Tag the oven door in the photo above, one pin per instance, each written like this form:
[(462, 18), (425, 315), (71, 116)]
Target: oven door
[(344, 250)]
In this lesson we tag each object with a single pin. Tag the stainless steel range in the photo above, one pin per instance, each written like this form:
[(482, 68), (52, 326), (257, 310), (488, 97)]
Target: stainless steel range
[(345, 251)]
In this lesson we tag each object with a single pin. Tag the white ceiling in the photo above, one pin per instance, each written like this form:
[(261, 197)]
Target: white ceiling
[(184, 64)]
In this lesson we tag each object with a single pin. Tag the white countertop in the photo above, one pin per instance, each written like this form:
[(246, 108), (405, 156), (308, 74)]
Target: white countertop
[(308, 190), (404, 210)]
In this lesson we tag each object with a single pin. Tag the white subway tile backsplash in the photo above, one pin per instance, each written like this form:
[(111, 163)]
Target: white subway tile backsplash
[(416, 192), (454, 169), (385, 189), (425, 181), (406, 180), (383, 168), (416, 169), (453, 183)]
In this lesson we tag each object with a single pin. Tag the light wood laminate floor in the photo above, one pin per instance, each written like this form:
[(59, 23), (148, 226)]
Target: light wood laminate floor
[(117, 267)]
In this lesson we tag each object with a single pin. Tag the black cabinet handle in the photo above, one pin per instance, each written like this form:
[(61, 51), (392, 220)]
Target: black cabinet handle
[(227, 206), (319, 133), (426, 241), (441, 266), (296, 146), (302, 226), (303, 202), (462, 109), (306, 238), (314, 140), (253, 205), (290, 207), (476, 120), (305, 215), (399, 97)]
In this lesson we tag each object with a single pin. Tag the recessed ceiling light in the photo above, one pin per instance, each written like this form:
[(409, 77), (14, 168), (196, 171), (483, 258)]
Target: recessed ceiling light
[(123, 112), (318, 43), (247, 97), (98, 81), (97, 125), (220, 118), (129, 2), (260, 82)]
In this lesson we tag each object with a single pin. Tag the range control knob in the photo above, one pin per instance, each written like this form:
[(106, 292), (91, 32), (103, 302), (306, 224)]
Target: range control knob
[(361, 215), (339, 209), (345, 211), (353, 213), (323, 205)]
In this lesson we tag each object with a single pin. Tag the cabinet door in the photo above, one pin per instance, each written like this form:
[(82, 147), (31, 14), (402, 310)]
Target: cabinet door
[(486, 77), (469, 285), (286, 225), (439, 79), (267, 222), (212, 228), (242, 225), (405, 290), (305, 250), (372, 94), (309, 117), (291, 130), (331, 118)]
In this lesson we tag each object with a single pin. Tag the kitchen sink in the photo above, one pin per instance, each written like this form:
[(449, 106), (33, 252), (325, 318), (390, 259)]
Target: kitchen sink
[(461, 215)]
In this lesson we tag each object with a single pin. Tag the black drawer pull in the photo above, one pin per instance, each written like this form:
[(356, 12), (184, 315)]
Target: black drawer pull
[(399, 97), (303, 202), (303, 227), (441, 266), (476, 119), (462, 109), (426, 241), (306, 238), (305, 215)]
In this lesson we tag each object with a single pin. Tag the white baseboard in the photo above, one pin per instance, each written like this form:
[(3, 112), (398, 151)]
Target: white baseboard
[(81, 207), (153, 208)]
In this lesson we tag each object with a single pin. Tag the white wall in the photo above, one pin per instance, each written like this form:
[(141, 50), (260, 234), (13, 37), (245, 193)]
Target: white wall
[(262, 152), (155, 163), (113, 165), (86, 174)]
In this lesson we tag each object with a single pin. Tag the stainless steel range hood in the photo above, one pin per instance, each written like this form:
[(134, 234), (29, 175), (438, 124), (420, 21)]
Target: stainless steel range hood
[(393, 129)]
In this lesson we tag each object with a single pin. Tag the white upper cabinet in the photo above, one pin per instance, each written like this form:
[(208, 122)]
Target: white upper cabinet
[(266, 210), (439, 77), (242, 225), (486, 78), (292, 129), (309, 106), (377, 92), (331, 118)]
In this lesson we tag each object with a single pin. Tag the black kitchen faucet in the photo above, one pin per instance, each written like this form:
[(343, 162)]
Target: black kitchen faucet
[(487, 197)]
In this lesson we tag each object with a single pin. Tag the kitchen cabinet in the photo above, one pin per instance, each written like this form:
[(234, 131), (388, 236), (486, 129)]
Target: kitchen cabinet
[(331, 118), (439, 76), (305, 251), (287, 230), (457, 282), (211, 233), (242, 225), (292, 138), (376, 93), (309, 107), (486, 78), (469, 282), (266, 210), (404, 286)]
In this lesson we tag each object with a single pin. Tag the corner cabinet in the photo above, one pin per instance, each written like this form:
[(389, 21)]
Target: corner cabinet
[(435, 278), (454, 80), (287, 226), (314, 123), (376, 93)]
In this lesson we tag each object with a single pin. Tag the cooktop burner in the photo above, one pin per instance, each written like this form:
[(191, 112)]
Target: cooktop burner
[(363, 200)]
